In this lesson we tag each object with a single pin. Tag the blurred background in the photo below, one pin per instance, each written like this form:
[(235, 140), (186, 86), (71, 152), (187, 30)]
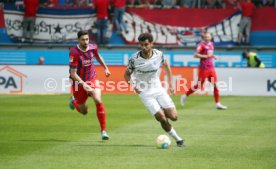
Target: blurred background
[(42, 32), (38, 130)]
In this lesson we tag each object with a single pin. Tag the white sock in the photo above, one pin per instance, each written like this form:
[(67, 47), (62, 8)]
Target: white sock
[(218, 103), (174, 135)]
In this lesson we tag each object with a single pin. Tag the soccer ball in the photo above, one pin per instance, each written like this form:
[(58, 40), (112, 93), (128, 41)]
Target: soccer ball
[(163, 141)]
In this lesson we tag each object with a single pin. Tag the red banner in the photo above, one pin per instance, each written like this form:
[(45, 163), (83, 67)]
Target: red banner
[(263, 18), (182, 27), (183, 17), (2, 22)]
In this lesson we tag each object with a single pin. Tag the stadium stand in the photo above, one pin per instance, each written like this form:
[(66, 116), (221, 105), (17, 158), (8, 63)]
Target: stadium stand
[(59, 34)]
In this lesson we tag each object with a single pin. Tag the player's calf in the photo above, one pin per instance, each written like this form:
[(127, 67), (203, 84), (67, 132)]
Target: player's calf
[(160, 116), (183, 99), (73, 104), (83, 109)]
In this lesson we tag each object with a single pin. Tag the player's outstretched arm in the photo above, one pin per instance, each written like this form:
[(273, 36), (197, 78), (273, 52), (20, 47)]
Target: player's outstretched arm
[(169, 74), (101, 61), (215, 57), (200, 56)]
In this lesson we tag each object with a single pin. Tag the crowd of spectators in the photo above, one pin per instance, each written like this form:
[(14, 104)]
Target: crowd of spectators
[(103, 8), (195, 3), (56, 3), (153, 3)]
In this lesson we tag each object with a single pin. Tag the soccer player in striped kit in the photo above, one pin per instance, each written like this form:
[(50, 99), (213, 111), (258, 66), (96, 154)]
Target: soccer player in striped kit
[(205, 52), (84, 81)]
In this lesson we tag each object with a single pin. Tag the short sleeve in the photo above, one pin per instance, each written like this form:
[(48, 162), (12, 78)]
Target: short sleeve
[(130, 66), (74, 61), (163, 59), (199, 48)]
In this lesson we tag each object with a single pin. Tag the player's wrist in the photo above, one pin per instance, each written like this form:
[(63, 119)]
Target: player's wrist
[(81, 83)]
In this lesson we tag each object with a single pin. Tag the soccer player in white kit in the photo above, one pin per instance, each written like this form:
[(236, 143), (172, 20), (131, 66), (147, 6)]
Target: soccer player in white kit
[(143, 73)]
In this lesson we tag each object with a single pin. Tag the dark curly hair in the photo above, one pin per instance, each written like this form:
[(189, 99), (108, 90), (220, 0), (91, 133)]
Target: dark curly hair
[(81, 33), (145, 36)]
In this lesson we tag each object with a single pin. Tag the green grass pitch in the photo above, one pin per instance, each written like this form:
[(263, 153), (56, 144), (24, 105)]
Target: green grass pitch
[(40, 132)]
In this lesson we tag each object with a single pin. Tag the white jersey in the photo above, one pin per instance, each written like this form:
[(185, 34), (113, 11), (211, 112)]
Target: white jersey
[(146, 72)]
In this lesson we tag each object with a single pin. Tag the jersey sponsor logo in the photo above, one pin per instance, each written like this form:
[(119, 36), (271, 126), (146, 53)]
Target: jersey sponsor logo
[(86, 62), (208, 47), (148, 71)]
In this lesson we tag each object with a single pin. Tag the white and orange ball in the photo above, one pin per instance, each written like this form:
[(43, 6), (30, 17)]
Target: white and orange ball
[(163, 141)]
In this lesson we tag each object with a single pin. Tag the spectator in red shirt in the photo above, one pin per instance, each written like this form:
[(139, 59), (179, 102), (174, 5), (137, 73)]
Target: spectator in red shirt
[(30, 8), (247, 9), (101, 7), (119, 11)]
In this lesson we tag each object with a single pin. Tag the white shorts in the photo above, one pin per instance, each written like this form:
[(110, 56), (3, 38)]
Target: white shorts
[(156, 99)]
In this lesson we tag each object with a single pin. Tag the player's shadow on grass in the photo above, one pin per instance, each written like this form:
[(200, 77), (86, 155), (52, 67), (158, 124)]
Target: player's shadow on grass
[(46, 140), (99, 144), (116, 145)]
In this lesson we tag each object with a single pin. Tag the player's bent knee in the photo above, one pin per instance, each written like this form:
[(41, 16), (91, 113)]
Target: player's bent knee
[(160, 117), (174, 118), (97, 101), (171, 113), (83, 112), (83, 109)]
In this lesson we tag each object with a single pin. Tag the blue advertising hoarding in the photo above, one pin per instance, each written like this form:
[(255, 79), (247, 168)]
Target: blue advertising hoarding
[(176, 58)]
